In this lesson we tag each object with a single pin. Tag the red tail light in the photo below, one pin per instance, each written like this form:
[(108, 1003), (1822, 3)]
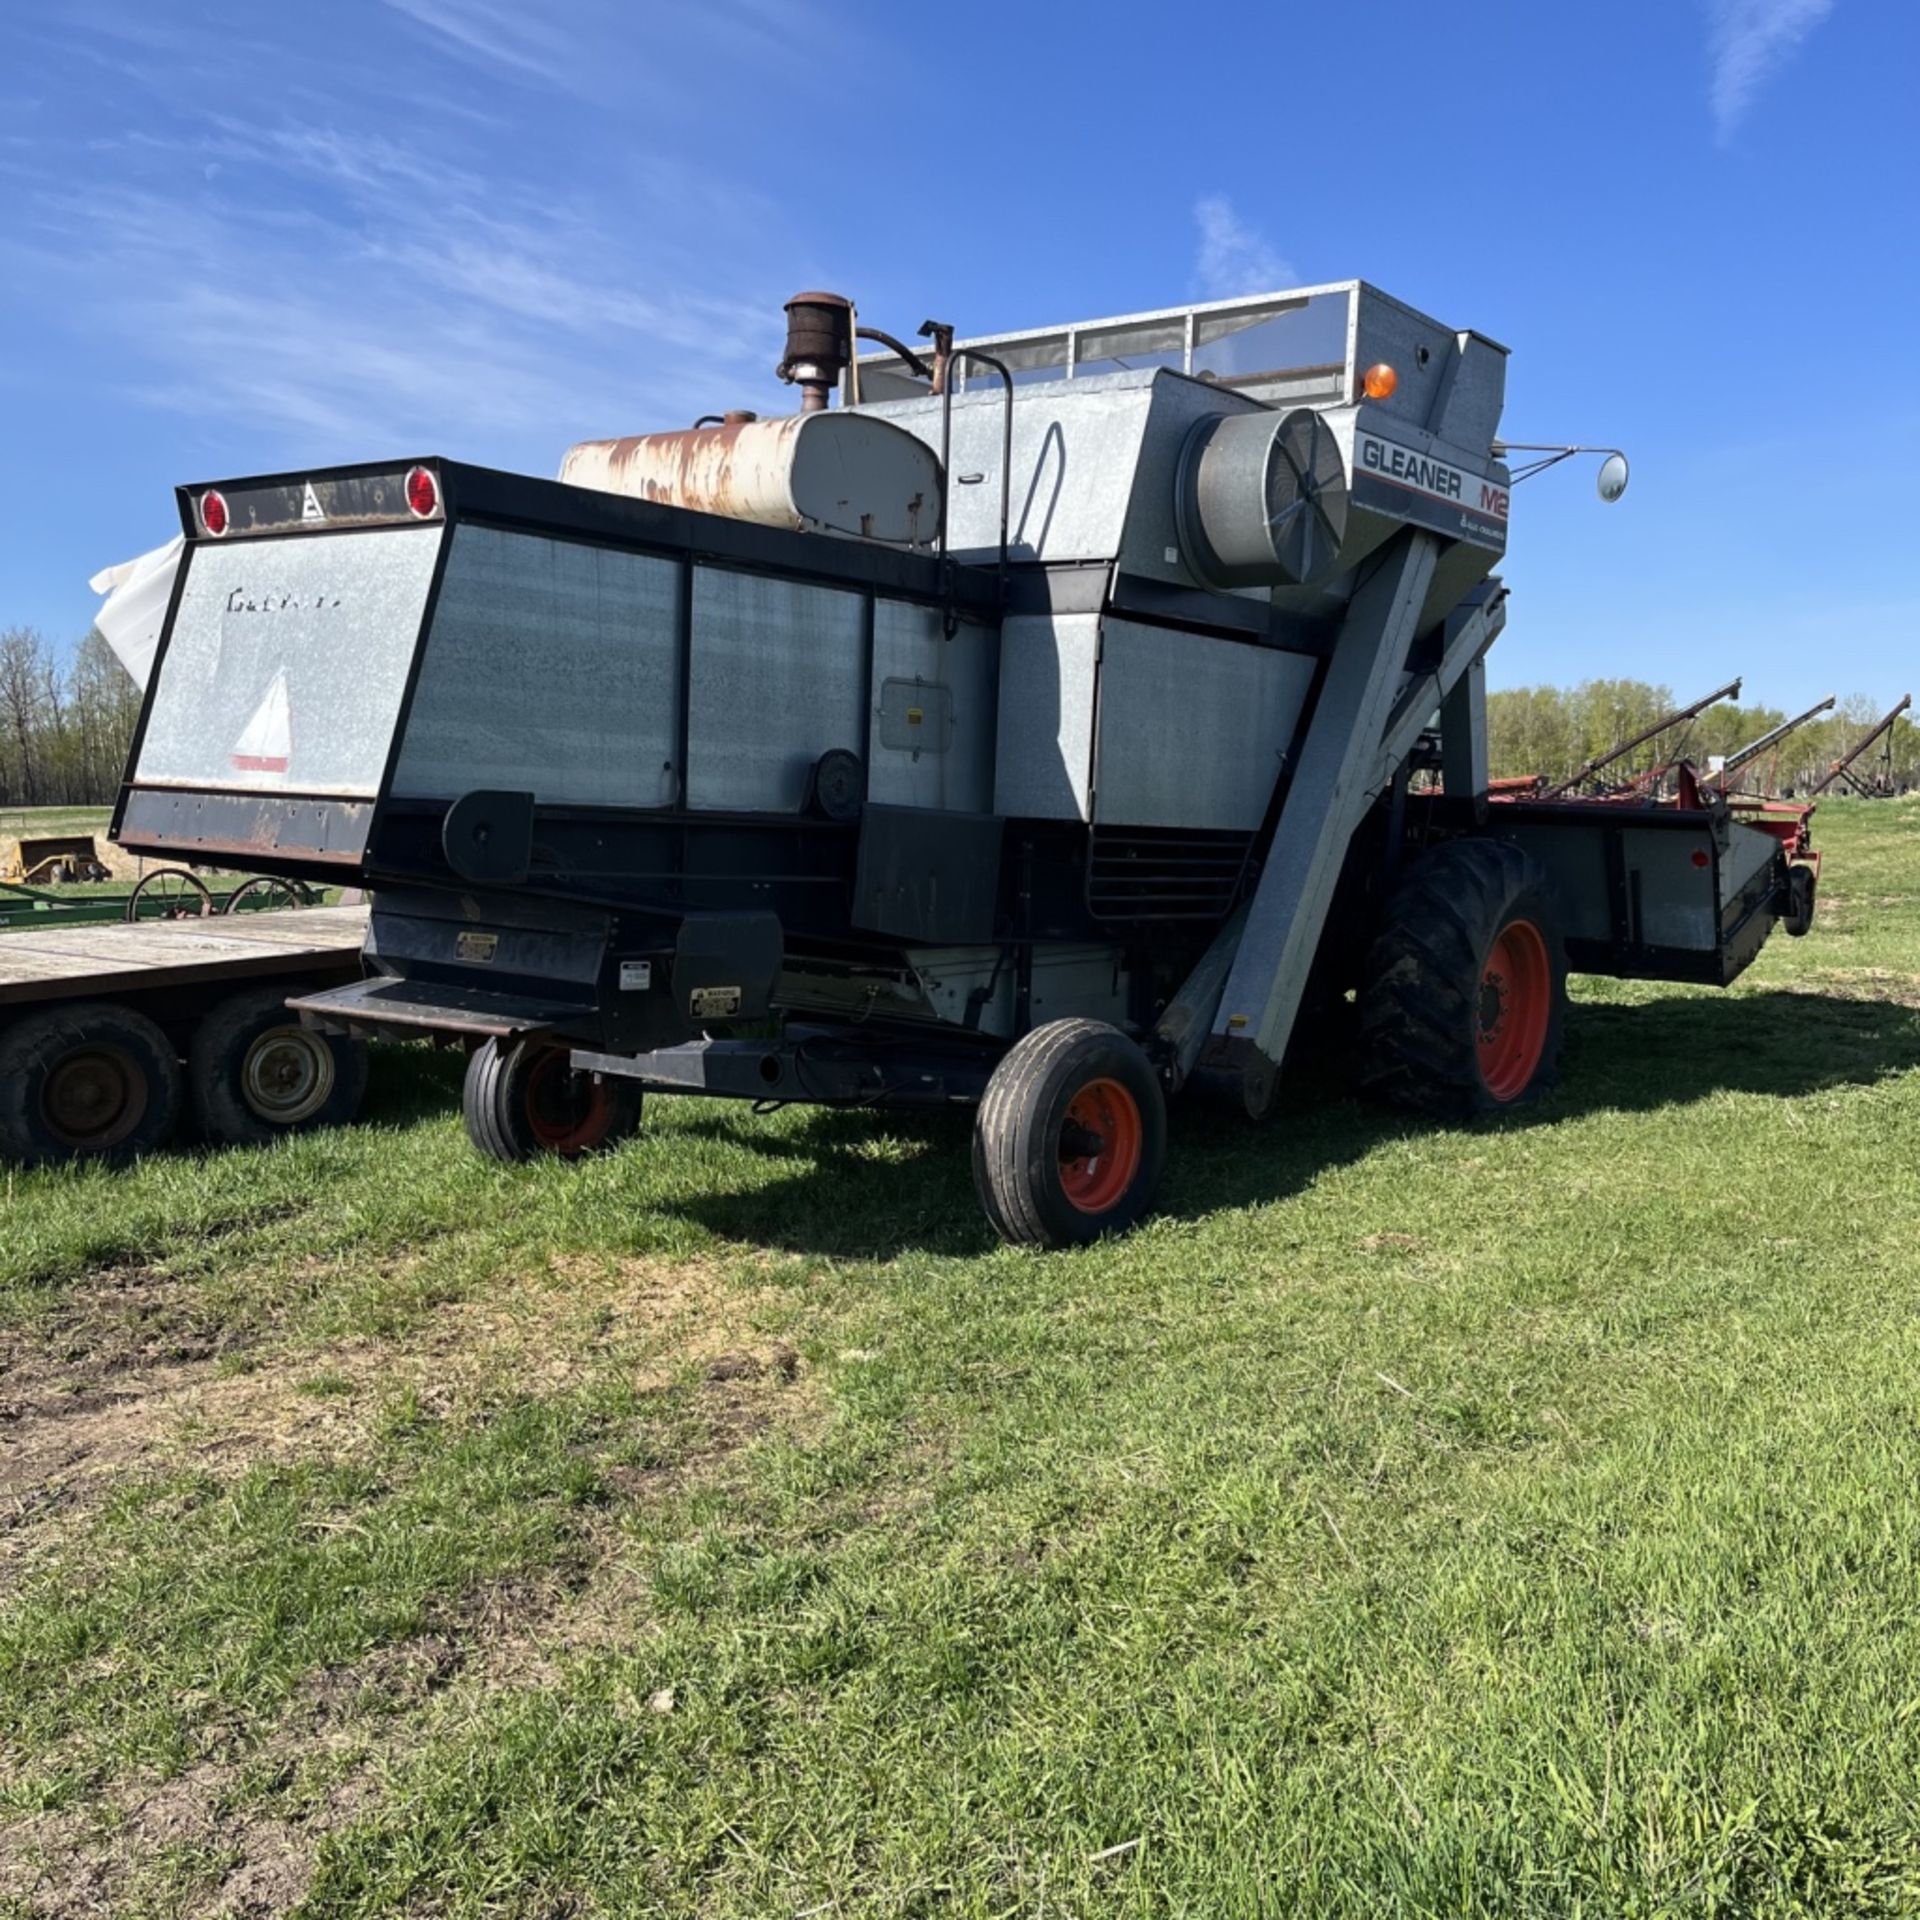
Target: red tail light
[(423, 494), (213, 513)]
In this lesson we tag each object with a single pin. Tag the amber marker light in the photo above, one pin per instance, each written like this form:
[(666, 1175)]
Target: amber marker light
[(1379, 381)]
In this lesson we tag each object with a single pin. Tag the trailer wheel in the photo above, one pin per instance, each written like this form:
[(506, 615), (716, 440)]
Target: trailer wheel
[(1798, 918), (525, 1101), (87, 1082), (1465, 989), (256, 1074), (1069, 1140)]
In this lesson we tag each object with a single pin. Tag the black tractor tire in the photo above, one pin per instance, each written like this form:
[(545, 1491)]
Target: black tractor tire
[(1464, 994), (1071, 1136), (256, 1074), (93, 1081), (524, 1101), (1798, 918)]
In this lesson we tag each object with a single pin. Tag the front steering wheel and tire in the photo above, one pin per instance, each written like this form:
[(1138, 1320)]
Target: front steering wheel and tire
[(1465, 991), (525, 1101), (1071, 1136)]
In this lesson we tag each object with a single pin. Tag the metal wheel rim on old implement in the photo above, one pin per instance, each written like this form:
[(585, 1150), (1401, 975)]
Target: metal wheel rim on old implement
[(266, 894), (94, 1098), (288, 1075), (179, 894)]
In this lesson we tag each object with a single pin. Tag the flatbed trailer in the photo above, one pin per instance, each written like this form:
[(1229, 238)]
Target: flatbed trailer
[(112, 1036)]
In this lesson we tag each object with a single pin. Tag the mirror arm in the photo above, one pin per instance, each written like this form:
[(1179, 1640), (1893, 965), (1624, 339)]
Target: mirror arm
[(1553, 455)]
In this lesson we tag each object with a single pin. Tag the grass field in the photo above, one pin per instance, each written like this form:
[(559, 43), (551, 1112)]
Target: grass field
[(1508, 1521), (15, 821)]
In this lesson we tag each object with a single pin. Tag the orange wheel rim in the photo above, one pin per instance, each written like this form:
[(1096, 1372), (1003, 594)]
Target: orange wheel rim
[(566, 1111), (1515, 1010), (1101, 1141)]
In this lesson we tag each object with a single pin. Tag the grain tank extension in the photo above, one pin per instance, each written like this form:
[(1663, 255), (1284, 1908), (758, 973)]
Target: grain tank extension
[(1060, 718)]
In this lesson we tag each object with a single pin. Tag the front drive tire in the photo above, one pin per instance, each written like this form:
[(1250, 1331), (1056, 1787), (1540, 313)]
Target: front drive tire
[(1071, 1136), (524, 1101), (1465, 990), (88, 1082), (256, 1074)]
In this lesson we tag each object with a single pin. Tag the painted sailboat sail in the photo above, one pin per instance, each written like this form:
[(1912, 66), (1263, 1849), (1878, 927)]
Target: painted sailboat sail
[(266, 741)]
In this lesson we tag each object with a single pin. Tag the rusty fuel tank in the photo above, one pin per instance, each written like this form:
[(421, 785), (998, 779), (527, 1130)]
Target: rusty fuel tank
[(837, 472)]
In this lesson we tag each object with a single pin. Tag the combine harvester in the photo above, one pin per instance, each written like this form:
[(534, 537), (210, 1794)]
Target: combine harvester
[(1032, 733)]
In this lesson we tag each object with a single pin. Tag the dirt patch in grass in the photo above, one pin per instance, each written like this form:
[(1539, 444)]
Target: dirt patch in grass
[(136, 1375), (237, 1831), (1869, 983), (202, 1840)]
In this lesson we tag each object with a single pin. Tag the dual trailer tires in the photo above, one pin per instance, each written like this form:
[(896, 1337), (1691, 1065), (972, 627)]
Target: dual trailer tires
[(525, 1101), (93, 1081), (98, 1080)]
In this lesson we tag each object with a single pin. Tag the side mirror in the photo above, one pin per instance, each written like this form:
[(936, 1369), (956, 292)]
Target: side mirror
[(1613, 477)]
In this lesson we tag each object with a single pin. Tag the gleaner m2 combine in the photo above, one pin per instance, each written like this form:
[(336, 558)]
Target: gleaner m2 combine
[(1064, 718)]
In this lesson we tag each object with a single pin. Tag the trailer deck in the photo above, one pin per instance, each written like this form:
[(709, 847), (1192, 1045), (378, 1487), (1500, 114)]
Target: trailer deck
[(108, 962), (112, 1038)]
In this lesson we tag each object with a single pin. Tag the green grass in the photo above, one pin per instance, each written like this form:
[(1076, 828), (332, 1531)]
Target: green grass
[(35, 822), (1515, 1520)]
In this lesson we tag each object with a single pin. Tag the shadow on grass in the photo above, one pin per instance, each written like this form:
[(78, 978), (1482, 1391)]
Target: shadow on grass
[(847, 1197)]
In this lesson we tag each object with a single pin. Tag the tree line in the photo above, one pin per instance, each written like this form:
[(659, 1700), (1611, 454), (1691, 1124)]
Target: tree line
[(64, 731), (1556, 730)]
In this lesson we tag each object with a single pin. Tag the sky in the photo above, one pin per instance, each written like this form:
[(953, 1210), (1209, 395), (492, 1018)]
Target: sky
[(247, 238)]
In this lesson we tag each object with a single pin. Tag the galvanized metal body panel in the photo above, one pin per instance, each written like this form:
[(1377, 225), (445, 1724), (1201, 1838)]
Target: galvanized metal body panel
[(935, 709), (1325, 801), (1744, 854), (286, 662), (1044, 769), (551, 666), (1076, 453), (778, 678), (1193, 731)]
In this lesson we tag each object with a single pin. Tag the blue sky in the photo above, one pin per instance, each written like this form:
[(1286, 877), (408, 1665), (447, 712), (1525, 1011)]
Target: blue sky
[(248, 237)]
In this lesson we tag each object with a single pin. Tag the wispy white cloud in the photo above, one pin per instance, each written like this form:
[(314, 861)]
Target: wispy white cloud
[(316, 279), (1750, 40), (500, 33), (1232, 257)]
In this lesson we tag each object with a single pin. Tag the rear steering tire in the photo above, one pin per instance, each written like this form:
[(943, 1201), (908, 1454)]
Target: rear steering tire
[(1071, 1136), (1465, 989), (87, 1082), (525, 1101), (256, 1074)]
